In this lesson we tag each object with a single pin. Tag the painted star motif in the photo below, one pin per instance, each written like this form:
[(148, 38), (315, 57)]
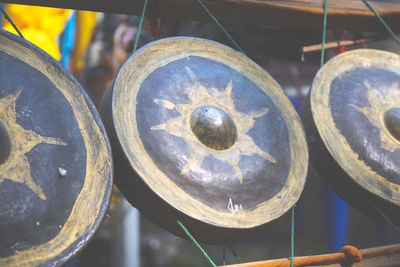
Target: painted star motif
[(374, 112), (17, 168), (180, 127)]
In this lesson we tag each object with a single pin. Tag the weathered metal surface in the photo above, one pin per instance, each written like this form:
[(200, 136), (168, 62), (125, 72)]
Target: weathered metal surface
[(204, 135), (351, 120), (55, 163), (342, 14)]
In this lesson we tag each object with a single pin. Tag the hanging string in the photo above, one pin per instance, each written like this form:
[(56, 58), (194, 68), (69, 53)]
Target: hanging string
[(195, 242), (11, 22), (220, 26), (341, 48), (241, 50), (324, 32), (223, 256), (386, 218), (398, 42), (292, 240), (382, 21), (140, 26), (179, 222), (335, 36), (322, 63), (235, 254), (155, 22)]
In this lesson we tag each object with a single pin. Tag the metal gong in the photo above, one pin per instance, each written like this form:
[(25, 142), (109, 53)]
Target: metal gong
[(55, 162), (202, 134), (352, 121)]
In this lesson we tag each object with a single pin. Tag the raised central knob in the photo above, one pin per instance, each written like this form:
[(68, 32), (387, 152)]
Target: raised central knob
[(392, 122), (213, 127), (5, 144)]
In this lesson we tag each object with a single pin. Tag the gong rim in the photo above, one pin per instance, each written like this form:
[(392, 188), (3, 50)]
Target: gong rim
[(335, 142), (94, 197), (161, 52)]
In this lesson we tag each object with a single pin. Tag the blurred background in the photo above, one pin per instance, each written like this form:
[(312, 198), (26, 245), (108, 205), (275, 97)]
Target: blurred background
[(94, 45)]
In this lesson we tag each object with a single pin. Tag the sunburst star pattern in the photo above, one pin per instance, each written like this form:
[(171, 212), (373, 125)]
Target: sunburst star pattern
[(379, 103), (17, 167), (180, 126)]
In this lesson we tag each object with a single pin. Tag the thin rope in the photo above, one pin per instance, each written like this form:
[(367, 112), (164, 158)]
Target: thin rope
[(179, 223), (324, 32), (336, 38), (196, 243), (398, 42), (12, 23), (387, 218), (220, 26), (223, 256), (292, 240), (140, 26), (235, 254), (382, 21)]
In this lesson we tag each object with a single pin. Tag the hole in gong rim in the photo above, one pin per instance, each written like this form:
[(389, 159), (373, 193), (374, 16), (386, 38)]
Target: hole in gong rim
[(5, 144), (391, 118), (213, 127)]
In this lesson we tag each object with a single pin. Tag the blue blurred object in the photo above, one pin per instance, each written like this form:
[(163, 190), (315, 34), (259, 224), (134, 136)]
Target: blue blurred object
[(338, 221), (297, 98), (338, 210), (67, 40)]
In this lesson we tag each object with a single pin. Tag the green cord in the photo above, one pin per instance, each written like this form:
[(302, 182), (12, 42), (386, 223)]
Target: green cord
[(140, 26), (235, 254), (292, 240), (336, 38), (382, 21), (398, 42), (238, 47), (324, 32), (387, 218), (195, 242), (12, 23), (220, 26), (223, 256)]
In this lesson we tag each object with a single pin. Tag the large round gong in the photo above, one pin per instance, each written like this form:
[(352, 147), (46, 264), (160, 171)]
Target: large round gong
[(55, 162), (204, 135), (352, 120)]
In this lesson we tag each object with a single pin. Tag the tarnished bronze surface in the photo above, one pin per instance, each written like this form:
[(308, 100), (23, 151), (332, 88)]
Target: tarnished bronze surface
[(391, 119), (352, 124), (213, 127), (5, 144), (55, 162), (202, 134)]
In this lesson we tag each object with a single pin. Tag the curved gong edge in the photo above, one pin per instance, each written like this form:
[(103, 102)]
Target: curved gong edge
[(359, 172), (74, 235), (336, 178), (140, 65)]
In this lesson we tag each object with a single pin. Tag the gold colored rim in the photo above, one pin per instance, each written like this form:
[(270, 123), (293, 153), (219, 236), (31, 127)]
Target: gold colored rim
[(87, 207), (335, 142), (126, 87)]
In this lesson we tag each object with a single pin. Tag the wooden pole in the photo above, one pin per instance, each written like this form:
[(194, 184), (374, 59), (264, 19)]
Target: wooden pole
[(380, 256), (343, 14)]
